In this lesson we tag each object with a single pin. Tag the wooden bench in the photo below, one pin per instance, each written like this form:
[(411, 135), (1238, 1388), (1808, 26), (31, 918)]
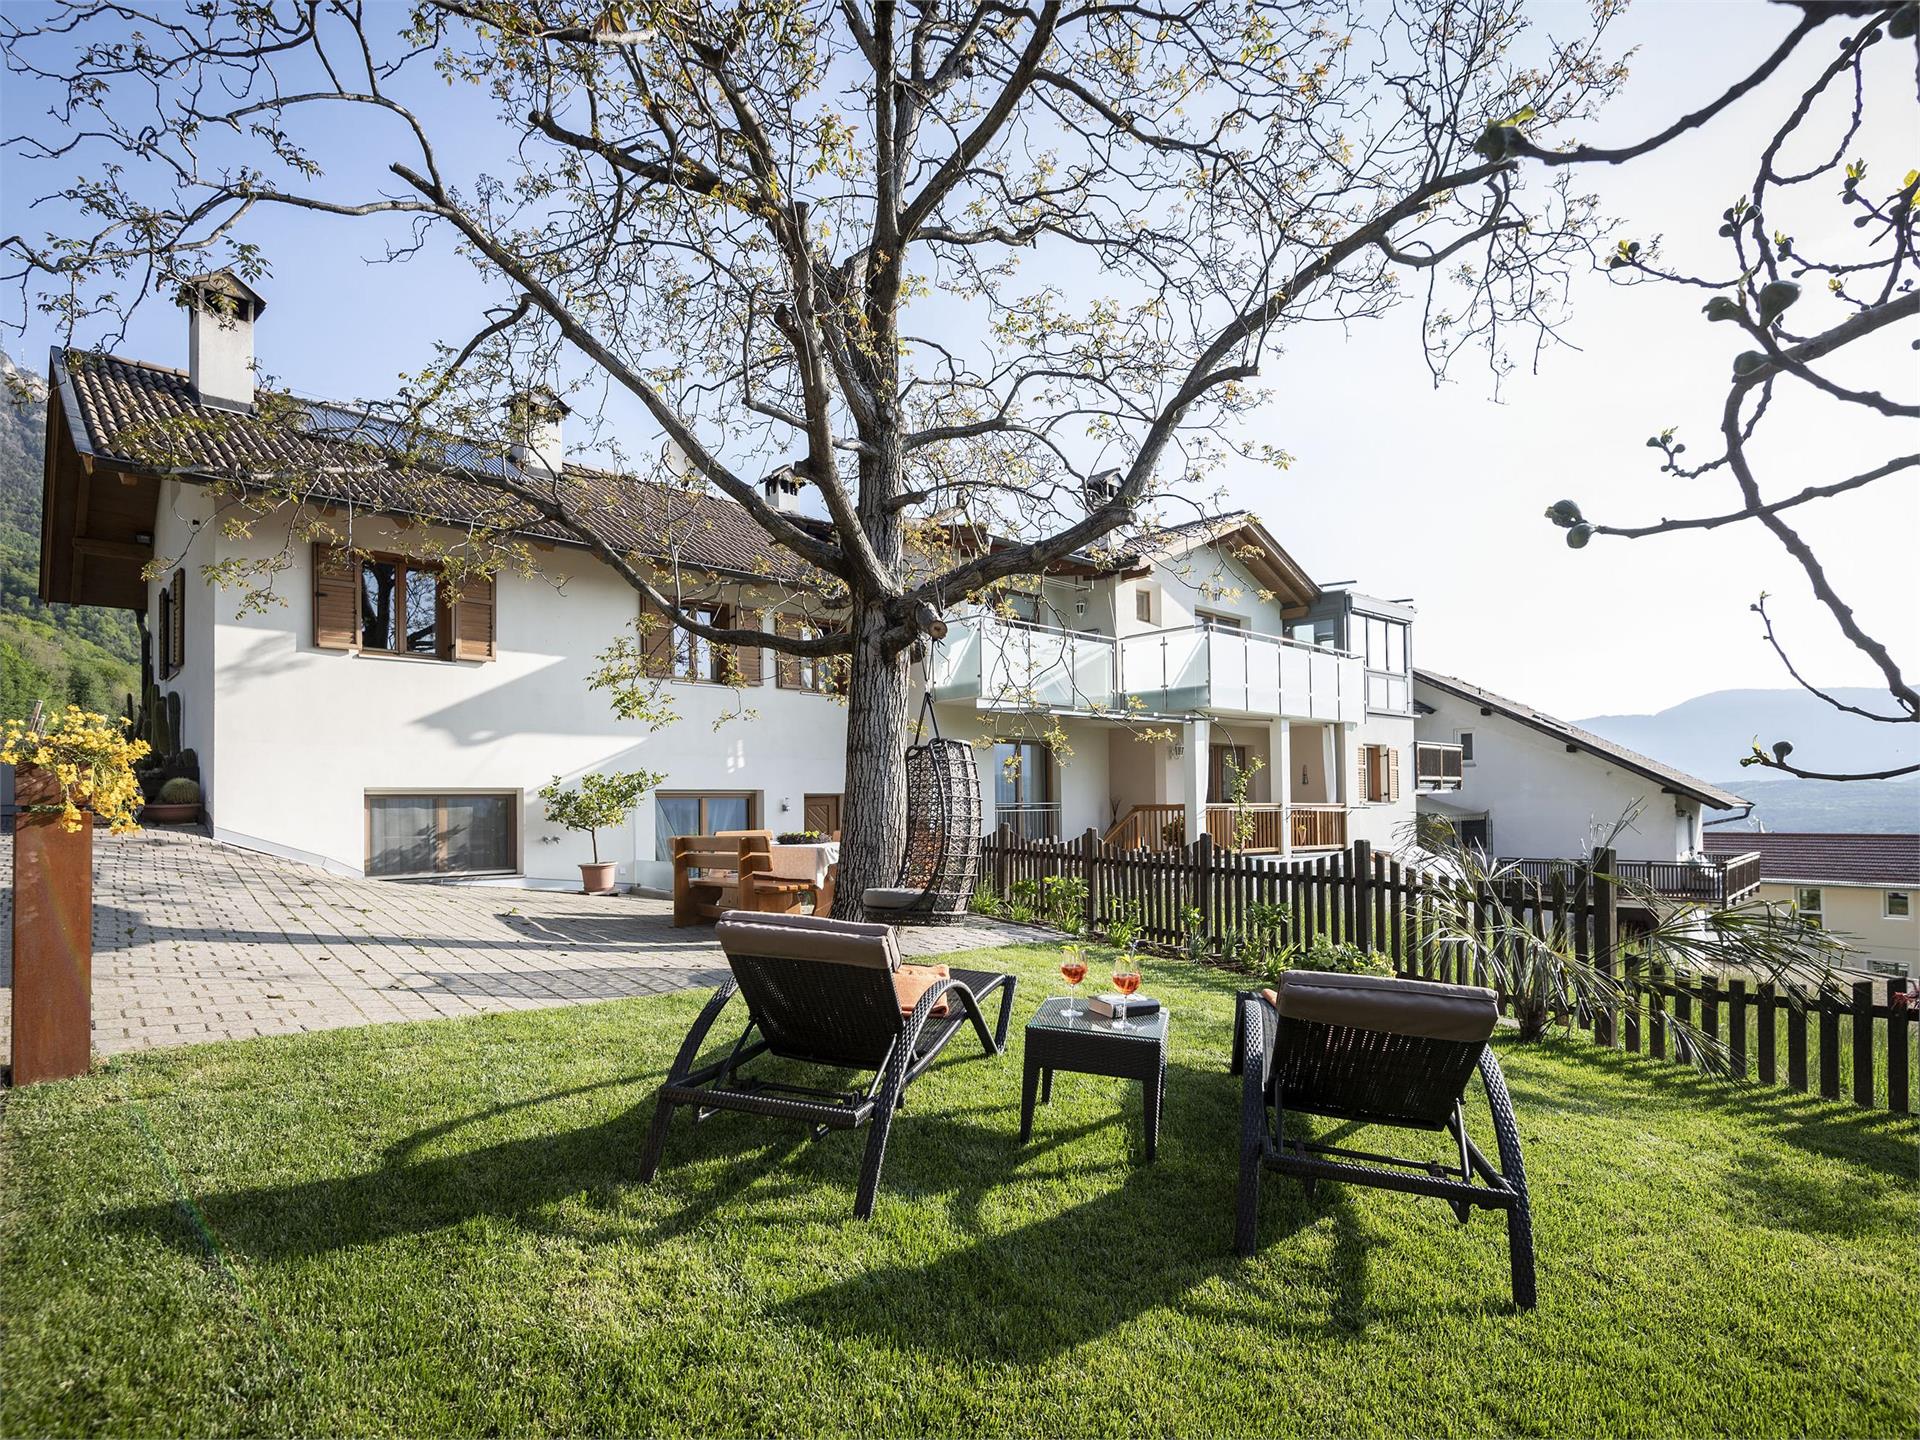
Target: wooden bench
[(711, 872)]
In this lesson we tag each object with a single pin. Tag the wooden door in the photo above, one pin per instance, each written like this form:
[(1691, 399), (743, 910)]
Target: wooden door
[(822, 813)]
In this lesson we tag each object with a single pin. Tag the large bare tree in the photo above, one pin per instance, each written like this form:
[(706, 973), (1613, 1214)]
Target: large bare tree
[(1819, 296), (941, 261)]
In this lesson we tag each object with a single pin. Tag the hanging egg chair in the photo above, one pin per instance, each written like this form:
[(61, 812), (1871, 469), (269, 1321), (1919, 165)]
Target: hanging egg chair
[(942, 859)]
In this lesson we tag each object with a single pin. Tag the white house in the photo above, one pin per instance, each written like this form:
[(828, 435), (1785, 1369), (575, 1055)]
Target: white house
[(1523, 785), (377, 719), (1206, 653)]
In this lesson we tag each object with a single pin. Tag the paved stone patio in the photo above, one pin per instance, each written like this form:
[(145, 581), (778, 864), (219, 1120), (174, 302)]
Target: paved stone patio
[(196, 941)]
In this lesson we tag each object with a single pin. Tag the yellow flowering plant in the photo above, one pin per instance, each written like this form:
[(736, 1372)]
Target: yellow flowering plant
[(89, 758)]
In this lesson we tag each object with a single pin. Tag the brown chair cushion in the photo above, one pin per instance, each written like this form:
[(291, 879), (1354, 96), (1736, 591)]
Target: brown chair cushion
[(807, 937), (910, 982), (1465, 1013)]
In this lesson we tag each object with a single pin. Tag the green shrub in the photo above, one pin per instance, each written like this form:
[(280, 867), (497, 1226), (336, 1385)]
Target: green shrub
[(179, 791), (1338, 958)]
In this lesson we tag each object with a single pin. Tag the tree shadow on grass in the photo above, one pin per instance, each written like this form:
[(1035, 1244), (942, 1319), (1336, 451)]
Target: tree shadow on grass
[(1876, 1139)]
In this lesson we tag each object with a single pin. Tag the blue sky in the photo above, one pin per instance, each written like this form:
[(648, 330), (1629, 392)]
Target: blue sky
[(1414, 492)]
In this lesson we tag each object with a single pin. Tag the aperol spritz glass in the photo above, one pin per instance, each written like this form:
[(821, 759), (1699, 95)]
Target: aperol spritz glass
[(1126, 979), (1073, 968)]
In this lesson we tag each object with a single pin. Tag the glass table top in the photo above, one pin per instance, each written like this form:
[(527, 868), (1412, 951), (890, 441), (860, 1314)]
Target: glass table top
[(1139, 1027)]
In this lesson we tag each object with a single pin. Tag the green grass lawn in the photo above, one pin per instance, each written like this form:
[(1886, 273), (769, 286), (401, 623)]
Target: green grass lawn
[(436, 1227)]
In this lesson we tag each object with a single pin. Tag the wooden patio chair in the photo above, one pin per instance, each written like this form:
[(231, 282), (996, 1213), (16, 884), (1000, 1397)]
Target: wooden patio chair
[(823, 992), (1378, 1051)]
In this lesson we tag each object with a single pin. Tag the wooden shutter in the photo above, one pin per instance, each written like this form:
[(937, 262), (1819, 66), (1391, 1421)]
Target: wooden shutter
[(747, 657), (473, 627), (336, 598), (163, 635), (1365, 792), (786, 668), (177, 627), (658, 639), (1393, 775)]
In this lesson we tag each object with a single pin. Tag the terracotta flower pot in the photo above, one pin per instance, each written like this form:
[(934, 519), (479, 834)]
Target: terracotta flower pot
[(597, 879)]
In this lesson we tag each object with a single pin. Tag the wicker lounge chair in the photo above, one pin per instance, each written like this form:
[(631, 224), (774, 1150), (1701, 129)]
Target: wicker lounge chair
[(1378, 1051), (822, 992)]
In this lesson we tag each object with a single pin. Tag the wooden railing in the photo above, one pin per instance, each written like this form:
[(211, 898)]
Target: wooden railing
[(1164, 827), (1719, 882), (1438, 766)]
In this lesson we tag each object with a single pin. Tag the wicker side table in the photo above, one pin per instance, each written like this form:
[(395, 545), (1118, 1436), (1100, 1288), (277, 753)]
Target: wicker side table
[(1090, 1045)]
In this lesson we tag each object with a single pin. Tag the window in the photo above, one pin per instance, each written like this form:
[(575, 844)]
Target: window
[(394, 605), (1466, 747), (1386, 645), (1379, 775), (676, 815), (1897, 904), (399, 606), (422, 835), (1023, 788), (1143, 604), (674, 653), (1806, 899), (822, 674), (1213, 620)]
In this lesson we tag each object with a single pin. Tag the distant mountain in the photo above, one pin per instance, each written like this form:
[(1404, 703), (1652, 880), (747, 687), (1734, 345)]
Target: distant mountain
[(1859, 807), (61, 654), (1708, 734)]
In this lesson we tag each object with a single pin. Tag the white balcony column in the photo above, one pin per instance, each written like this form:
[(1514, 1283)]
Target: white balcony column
[(1280, 745), (1340, 759), (1195, 736)]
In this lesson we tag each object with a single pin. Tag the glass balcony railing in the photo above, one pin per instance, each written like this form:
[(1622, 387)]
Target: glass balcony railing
[(1003, 664)]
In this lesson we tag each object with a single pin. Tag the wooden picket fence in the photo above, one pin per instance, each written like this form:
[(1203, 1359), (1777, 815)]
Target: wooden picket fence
[(1207, 893)]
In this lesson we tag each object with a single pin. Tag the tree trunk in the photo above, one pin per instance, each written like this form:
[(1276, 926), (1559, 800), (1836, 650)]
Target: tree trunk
[(873, 816)]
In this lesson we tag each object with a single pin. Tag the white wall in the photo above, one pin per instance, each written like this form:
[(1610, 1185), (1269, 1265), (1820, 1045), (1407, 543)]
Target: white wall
[(301, 735), (1544, 801), (1384, 826), (1203, 579)]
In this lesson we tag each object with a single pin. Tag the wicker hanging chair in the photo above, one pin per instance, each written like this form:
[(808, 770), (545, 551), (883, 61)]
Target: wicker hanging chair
[(935, 884)]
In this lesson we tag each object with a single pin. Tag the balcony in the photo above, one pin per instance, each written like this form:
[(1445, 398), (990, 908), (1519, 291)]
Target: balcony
[(1012, 665), (1029, 821), (1717, 882), (1438, 766), (1163, 827)]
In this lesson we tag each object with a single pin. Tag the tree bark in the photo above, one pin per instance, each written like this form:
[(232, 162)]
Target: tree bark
[(873, 809)]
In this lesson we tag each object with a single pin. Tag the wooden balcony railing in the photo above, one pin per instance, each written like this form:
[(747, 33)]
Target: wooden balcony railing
[(1716, 882), (1163, 827), (1438, 766)]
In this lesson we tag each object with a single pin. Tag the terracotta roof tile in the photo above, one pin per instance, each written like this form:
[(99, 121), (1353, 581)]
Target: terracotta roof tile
[(1799, 855), (135, 414)]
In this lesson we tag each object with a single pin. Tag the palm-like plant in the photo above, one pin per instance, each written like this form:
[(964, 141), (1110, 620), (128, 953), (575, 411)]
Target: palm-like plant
[(1488, 918)]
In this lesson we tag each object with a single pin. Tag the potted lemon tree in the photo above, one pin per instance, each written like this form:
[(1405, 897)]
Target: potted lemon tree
[(595, 803)]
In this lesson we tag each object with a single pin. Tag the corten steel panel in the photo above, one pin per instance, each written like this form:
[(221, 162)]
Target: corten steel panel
[(52, 948)]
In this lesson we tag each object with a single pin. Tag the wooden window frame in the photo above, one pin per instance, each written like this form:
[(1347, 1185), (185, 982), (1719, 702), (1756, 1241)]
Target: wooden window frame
[(1143, 604), (1816, 912), (514, 799), (1221, 620), (1887, 897), (807, 674), (404, 566)]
